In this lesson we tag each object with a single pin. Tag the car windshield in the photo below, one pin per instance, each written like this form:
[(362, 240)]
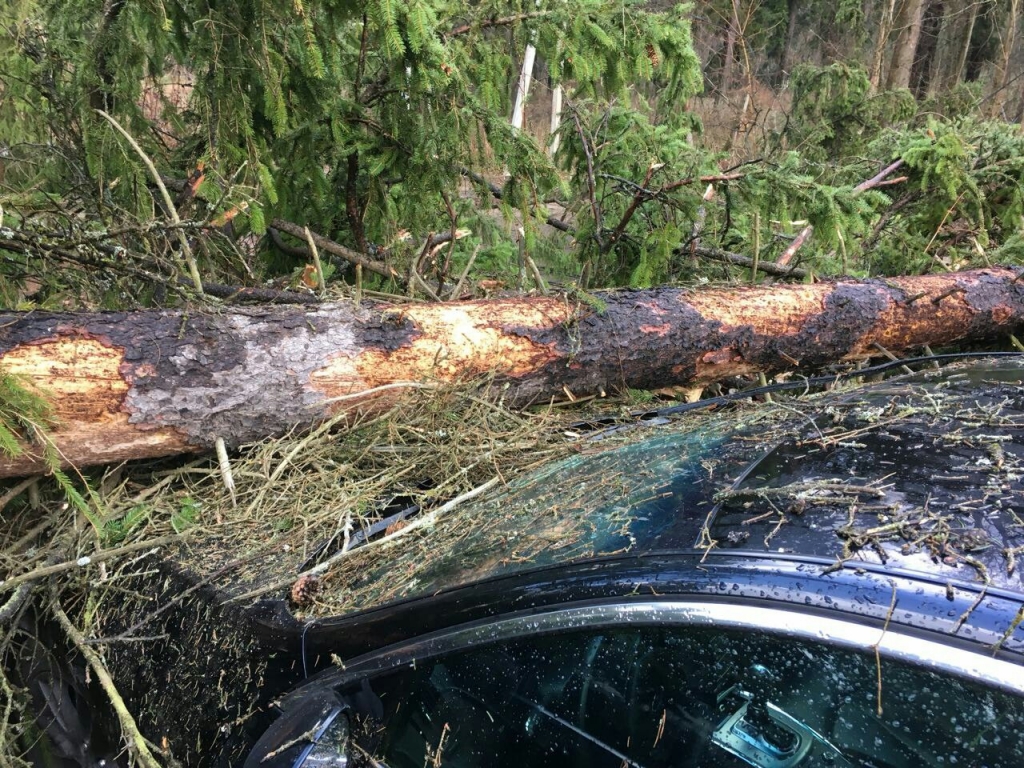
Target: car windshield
[(655, 697), (924, 471)]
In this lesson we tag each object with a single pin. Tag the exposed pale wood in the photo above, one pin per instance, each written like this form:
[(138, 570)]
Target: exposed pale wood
[(131, 385), (792, 248), (523, 91)]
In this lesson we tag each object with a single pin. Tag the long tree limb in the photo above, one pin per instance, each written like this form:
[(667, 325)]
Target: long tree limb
[(97, 557), (377, 267), (745, 261)]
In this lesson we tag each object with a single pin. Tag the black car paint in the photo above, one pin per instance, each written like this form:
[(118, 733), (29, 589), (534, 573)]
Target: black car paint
[(966, 615)]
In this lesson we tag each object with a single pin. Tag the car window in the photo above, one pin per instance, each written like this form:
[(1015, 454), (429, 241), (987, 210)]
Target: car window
[(681, 697)]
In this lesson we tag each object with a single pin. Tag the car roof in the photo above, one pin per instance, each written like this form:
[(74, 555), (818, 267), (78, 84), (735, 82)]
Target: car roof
[(918, 474)]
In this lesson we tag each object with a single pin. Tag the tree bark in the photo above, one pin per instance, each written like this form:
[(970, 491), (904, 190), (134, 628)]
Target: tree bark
[(732, 31), (131, 385), (791, 30), (883, 32), (943, 60), (960, 69), (908, 33), (1007, 43), (933, 24)]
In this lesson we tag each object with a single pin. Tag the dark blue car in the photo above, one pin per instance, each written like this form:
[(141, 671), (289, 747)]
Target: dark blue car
[(835, 583)]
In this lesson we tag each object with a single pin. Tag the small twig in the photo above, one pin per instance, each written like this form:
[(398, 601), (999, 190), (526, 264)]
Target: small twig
[(745, 261), (375, 390), (698, 223), (1009, 631), (878, 655), (638, 197), (970, 609), (224, 463), (890, 355), (27, 537), (137, 743), (711, 179), (941, 223), (757, 245), (793, 489), (171, 210), (10, 608), (946, 294), (422, 283), (893, 182), (595, 207), (15, 491), (503, 21), (96, 557), (465, 273), (541, 285), (238, 294), (337, 249)]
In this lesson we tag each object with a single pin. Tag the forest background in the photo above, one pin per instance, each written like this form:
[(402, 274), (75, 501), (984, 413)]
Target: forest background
[(196, 154)]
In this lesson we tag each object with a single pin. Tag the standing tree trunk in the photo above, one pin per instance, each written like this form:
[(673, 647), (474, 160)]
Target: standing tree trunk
[(932, 25), (957, 75), (130, 385), (556, 119), (943, 60), (908, 34), (884, 31), (730, 48), (1007, 43), (791, 29)]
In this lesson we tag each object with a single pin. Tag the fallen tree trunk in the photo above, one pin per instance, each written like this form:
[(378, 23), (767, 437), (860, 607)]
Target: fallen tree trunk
[(130, 385)]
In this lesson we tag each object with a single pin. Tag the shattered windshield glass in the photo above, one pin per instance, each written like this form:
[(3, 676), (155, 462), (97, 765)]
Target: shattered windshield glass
[(925, 470)]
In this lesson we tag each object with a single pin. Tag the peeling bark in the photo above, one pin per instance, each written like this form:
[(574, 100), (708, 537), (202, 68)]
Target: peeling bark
[(130, 385)]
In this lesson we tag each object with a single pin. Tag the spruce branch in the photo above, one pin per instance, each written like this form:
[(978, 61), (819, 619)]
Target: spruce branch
[(878, 178), (377, 267), (595, 206), (193, 269), (503, 21), (638, 198)]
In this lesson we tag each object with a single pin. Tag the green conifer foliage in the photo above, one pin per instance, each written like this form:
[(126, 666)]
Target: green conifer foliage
[(354, 117), (835, 113)]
